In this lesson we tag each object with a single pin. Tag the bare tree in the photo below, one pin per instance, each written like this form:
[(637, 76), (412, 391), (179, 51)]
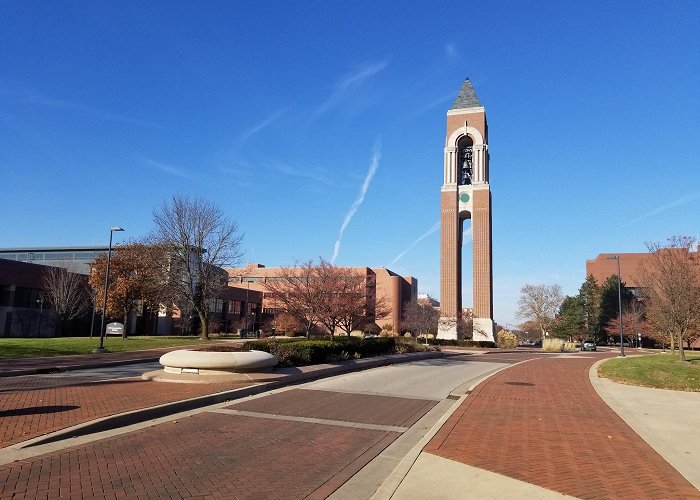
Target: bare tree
[(539, 304), (294, 291), (671, 287), (353, 298), (67, 294), (332, 284), (199, 240), (632, 320), (420, 319)]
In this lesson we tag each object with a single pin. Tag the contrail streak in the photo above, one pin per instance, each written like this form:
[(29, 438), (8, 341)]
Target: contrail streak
[(373, 166)]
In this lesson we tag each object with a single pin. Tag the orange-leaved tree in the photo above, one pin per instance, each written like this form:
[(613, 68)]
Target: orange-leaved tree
[(136, 273)]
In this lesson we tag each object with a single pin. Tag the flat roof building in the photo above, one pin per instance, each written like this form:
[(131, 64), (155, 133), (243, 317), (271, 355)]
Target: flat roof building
[(382, 285), (76, 259), (630, 265)]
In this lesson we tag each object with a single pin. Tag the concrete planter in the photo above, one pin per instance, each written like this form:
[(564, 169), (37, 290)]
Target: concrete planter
[(217, 363)]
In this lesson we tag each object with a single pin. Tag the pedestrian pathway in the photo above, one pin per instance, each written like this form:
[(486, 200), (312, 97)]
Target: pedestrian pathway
[(543, 423)]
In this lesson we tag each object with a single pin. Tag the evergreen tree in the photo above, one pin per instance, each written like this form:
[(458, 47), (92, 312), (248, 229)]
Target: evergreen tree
[(609, 305), (590, 298), (571, 321)]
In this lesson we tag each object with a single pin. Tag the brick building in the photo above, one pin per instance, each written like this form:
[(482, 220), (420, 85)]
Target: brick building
[(24, 312), (602, 267), (382, 284)]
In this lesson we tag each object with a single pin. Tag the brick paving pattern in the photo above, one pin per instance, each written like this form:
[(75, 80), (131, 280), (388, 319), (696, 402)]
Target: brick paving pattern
[(214, 455), (542, 422), (31, 406), (361, 408)]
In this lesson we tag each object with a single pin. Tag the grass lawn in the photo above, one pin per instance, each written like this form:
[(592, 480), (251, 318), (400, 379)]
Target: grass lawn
[(663, 371), (32, 348)]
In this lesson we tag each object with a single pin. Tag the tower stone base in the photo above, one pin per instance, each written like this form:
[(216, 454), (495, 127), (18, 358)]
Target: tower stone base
[(447, 328), (483, 330)]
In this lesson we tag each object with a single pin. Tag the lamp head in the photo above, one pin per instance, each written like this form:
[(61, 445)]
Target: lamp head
[(116, 228)]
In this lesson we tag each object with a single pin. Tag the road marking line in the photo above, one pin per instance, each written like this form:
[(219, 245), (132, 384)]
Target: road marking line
[(323, 421)]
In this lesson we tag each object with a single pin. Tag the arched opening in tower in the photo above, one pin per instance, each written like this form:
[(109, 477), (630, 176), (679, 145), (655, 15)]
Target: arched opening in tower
[(465, 155), (466, 261)]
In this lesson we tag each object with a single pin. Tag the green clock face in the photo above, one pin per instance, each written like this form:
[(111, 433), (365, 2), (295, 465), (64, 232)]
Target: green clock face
[(464, 197)]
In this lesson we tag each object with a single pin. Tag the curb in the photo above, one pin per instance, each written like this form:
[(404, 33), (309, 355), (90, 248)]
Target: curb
[(391, 483), (68, 368), (167, 409)]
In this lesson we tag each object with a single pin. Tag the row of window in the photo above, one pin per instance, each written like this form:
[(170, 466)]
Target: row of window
[(22, 297), (85, 256)]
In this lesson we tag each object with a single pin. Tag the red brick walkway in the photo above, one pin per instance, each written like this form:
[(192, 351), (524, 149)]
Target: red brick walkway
[(31, 406), (214, 455), (542, 422)]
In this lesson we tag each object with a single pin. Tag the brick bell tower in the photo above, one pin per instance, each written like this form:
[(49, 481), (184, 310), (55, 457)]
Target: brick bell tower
[(466, 194)]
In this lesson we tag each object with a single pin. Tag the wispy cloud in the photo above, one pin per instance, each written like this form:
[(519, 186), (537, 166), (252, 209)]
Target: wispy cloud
[(170, 169), (260, 126), (432, 104), (373, 166), (434, 228), (344, 87), (21, 95), (662, 208), (315, 174), (451, 50)]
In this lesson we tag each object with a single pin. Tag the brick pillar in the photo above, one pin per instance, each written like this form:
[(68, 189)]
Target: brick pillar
[(450, 269), (483, 274)]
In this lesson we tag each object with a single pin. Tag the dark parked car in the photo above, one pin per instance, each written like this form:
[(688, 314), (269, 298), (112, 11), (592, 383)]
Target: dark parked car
[(588, 345)]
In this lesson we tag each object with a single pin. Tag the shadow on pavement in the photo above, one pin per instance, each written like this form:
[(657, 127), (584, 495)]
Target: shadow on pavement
[(36, 410)]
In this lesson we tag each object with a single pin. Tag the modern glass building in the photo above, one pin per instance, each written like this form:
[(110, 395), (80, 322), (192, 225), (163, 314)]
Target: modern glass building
[(75, 259)]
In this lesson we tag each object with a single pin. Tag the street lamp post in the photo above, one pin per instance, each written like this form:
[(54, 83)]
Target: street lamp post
[(102, 349), (619, 302)]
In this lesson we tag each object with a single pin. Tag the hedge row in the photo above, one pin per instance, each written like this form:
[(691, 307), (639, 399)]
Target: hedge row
[(463, 343), (310, 352)]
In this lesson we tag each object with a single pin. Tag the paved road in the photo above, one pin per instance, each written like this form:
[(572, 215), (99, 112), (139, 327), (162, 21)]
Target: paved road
[(105, 373), (300, 442)]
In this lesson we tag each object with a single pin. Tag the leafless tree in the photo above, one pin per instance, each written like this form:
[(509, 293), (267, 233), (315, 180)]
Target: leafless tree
[(199, 240), (66, 293), (420, 319), (539, 304), (670, 282), (351, 296), (294, 291), (633, 321)]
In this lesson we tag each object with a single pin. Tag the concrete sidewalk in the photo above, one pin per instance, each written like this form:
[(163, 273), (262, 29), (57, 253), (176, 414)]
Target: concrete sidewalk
[(668, 420), (539, 429)]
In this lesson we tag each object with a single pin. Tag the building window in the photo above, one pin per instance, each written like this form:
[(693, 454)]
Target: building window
[(27, 297)]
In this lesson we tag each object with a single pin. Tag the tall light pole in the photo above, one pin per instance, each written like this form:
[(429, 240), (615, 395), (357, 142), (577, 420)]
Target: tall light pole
[(619, 302), (102, 349)]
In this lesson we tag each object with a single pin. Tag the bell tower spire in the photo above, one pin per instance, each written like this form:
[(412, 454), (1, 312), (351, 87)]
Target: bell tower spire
[(466, 194)]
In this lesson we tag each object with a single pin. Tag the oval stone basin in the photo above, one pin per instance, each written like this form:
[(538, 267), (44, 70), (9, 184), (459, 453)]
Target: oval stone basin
[(217, 363)]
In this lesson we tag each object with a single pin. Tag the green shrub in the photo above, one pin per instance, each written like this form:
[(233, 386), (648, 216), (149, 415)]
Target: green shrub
[(462, 343), (308, 352)]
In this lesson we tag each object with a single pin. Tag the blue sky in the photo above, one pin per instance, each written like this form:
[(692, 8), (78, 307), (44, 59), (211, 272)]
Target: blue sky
[(319, 126)]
